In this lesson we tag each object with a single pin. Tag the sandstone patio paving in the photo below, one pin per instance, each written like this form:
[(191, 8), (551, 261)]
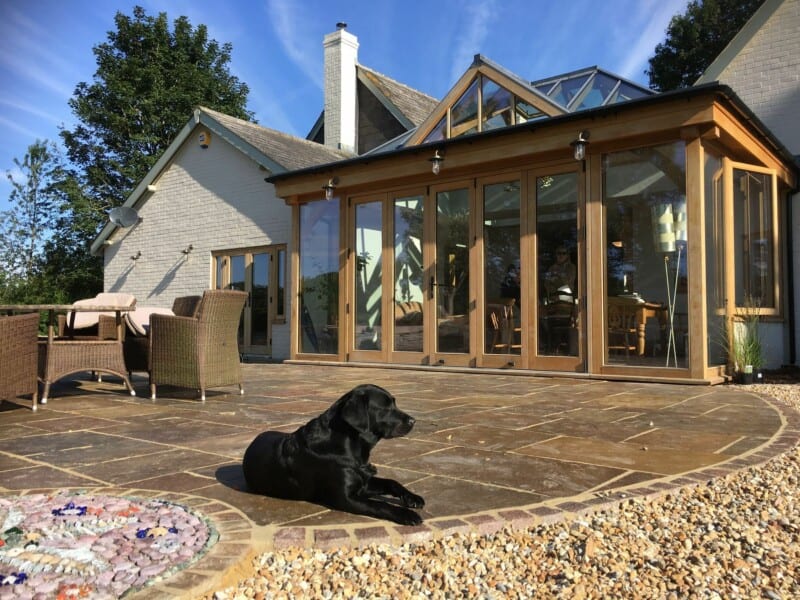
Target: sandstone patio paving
[(483, 443)]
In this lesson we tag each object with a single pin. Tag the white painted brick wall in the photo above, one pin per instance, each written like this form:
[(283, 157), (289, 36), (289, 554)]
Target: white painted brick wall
[(766, 74), (214, 199)]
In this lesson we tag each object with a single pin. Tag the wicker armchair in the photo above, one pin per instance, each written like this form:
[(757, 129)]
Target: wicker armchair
[(198, 352), (19, 357), (136, 348)]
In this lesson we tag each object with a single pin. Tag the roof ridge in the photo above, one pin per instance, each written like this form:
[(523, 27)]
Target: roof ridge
[(275, 132)]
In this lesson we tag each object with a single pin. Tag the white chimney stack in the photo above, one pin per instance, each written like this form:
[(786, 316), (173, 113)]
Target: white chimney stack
[(341, 57)]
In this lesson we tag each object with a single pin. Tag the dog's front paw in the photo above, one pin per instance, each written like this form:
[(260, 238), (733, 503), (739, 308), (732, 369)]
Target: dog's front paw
[(408, 517), (413, 501)]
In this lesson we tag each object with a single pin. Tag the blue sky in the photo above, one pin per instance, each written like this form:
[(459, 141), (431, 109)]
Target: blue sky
[(46, 49)]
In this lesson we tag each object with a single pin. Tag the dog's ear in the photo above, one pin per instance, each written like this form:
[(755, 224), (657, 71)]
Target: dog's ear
[(355, 410)]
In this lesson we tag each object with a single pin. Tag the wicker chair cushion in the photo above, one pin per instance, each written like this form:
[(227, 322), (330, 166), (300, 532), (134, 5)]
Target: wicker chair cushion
[(89, 319)]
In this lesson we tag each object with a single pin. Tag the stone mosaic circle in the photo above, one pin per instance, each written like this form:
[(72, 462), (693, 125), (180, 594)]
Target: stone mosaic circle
[(75, 545)]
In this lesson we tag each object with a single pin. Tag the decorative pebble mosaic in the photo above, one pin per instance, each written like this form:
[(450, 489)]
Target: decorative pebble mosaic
[(71, 545)]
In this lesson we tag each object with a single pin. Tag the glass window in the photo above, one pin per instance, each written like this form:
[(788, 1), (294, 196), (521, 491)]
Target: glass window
[(496, 110), (502, 283), (644, 193), (753, 244), (319, 277), (369, 277), (464, 114)]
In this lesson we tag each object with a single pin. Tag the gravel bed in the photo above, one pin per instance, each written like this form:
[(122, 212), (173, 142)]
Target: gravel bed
[(737, 536)]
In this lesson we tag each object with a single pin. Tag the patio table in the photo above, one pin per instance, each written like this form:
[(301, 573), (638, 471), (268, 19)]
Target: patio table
[(62, 356)]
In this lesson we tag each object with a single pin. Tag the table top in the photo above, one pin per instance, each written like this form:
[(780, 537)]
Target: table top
[(65, 307)]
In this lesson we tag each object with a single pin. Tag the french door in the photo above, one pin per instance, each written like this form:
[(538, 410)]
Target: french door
[(465, 274), (261, 272)]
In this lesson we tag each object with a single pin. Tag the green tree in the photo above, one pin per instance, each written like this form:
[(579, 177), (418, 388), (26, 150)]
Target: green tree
[(24, 227), (149, 78), (694, 39)]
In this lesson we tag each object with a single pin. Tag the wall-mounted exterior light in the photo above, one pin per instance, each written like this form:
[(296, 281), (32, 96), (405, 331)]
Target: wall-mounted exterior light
[(136, 256), (579, 145), (436, 161), (329, 187), (188, 249)]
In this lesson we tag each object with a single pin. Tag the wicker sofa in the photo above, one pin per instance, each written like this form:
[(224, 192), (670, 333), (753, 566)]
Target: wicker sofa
[(19, 357), (199, 351)]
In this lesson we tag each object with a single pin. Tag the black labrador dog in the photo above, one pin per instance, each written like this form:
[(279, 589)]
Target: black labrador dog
[(326, 461)]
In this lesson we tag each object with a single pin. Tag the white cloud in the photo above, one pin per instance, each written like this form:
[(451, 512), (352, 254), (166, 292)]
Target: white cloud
[(15, 126), (288, 27), (653, 31), (472, 33)]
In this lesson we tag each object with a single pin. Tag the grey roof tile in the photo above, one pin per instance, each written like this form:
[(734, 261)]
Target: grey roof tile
[(289, 151)]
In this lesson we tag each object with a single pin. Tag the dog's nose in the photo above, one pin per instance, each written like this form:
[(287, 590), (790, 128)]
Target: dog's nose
[(410, 421)]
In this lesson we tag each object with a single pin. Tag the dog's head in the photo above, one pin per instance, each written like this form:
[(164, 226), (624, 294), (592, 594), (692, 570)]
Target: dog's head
[(372, 412)]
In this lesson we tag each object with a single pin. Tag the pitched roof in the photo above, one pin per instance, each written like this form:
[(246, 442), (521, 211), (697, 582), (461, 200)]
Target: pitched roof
[(414, 105), (287, 151)]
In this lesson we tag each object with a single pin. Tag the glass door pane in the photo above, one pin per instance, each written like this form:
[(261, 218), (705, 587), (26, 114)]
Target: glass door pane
[(502, 275), (368, 291), (557, 251), (408, 274), (259, 305), (319, 278), (451, 280), (237, 282)]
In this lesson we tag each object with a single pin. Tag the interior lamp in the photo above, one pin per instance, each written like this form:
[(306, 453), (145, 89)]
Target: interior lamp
[(436, 161), (579, 145), (329, 187)]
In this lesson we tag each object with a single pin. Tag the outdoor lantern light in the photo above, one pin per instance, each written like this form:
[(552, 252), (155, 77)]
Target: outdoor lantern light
[(136, 256), (436, 161), (188, 249), (329, 187), (579, 145)]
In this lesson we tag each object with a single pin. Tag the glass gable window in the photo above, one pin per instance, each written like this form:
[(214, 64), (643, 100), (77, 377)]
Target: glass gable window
[(464, 114), (484, 106), (496, 106)]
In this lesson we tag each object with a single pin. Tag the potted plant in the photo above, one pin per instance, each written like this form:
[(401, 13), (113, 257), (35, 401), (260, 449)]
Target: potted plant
[(745, 352)]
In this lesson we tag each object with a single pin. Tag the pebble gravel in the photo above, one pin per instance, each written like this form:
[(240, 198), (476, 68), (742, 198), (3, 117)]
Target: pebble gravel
[(736, 536)]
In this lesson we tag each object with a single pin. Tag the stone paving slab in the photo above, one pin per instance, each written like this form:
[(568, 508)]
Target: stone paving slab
[(489, 450)]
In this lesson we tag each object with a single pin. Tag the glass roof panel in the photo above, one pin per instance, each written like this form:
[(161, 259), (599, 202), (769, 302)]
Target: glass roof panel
[(625, 92), (566, 89), (596, 93), (496, 110), (464, 114)]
